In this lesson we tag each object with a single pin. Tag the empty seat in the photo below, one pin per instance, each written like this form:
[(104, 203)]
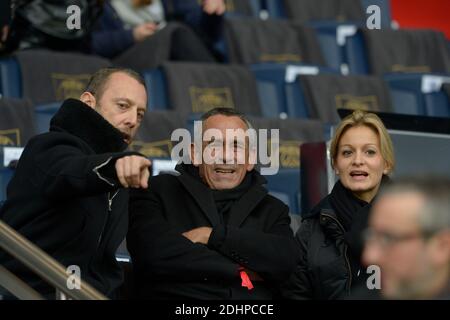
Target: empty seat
[(5, 176), (278, 89), (252, 41), (285, 184), (324, 94), (10, 78), (398, 51), (153, 138), (43, 114), (16, 122), (419, 94), (198, 87), (49, 76)]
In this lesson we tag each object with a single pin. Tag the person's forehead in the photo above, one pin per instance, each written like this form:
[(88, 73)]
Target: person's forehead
[(363, 134), (121, 80), (223, 122), (397, 212)]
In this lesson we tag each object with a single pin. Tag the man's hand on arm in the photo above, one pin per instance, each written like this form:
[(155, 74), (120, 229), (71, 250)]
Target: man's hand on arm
[(198, 235), (143, 31), (133, 171)]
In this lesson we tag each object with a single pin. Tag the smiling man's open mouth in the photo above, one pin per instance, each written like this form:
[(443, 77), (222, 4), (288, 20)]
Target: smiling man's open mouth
[(224, 170)]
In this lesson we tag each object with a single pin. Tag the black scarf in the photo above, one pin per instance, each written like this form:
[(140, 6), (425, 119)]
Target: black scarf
[(224, 199), (353, 213), (345, 204), (78, 119)]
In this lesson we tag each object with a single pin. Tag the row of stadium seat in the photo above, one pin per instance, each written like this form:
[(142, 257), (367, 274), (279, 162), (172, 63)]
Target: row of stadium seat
[(268, 90)]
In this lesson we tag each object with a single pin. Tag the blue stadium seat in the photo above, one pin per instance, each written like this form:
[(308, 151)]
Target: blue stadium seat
[(355, 54), (274, 8), (278, 90), (10, 78), (419, 94), (43, 114), (285, 185), (5, 176), (156, 89)]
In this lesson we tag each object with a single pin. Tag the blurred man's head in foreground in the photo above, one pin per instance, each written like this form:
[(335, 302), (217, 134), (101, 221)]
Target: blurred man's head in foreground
[(409, 238)]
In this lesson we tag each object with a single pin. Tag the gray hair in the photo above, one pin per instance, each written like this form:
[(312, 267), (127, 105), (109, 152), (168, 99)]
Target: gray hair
[(228, 112), (434, 216)]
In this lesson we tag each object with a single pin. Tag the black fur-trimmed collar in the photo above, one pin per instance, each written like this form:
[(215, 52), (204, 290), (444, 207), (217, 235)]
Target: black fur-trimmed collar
[(77, 118)]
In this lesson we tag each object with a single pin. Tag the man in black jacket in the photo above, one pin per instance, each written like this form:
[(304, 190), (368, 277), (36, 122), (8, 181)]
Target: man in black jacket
[(69, 193), (211, 232)]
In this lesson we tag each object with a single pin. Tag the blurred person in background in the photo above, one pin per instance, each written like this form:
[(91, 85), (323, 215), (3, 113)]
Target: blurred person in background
[(330, 236), (136, 34), (409, 239)]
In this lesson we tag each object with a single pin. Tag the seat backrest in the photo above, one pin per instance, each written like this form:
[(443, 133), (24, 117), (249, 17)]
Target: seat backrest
[(259, 41), (43, 114), (326, 93), (285, 186), (406, 51), (49, 76), (292, 133), (153, 138), (16, 122), (10, 78), (5, 176), (320, 10), (198, 87)]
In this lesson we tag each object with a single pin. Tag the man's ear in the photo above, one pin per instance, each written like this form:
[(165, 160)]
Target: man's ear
[(89, 99)]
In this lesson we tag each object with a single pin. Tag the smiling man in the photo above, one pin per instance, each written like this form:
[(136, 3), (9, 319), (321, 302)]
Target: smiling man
[(69, 193), (211, 232)]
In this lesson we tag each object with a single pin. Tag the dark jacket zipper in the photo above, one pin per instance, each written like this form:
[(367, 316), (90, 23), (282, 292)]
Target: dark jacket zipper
[(345, 251), (110, 200)]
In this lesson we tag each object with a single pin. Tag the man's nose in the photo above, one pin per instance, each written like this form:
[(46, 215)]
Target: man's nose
[(229, 154), (131, 120)]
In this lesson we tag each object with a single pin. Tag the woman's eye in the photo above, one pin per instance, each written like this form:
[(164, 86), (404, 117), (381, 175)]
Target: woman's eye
[(346, 153), (371, 152)]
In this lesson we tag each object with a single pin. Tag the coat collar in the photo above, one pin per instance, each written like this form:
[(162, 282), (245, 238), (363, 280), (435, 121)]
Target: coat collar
[(202, 195), (78, 119)]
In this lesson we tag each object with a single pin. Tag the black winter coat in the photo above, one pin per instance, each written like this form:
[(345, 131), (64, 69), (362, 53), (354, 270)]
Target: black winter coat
[(65, 197), (329, 267), (167, 265)]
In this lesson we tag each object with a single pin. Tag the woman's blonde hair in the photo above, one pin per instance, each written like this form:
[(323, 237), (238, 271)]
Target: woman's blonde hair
[(371, 120)]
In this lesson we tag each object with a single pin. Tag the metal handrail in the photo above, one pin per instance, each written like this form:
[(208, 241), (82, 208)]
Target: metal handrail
[(43, 265)]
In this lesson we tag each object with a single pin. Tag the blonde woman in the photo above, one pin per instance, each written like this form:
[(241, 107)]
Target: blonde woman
[(362, 156)]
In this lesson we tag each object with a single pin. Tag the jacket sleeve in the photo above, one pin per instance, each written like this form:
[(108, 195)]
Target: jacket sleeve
[(62, 170), (158, 249), (271, 254), (299, 285), (109, 37)]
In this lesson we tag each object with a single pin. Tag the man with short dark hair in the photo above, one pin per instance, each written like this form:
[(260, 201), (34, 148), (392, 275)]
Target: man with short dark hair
[(211, 232), (69, 193), (409, 239)]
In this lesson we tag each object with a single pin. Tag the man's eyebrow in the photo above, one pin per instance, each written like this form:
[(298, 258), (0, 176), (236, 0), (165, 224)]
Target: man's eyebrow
[(129, 101)]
